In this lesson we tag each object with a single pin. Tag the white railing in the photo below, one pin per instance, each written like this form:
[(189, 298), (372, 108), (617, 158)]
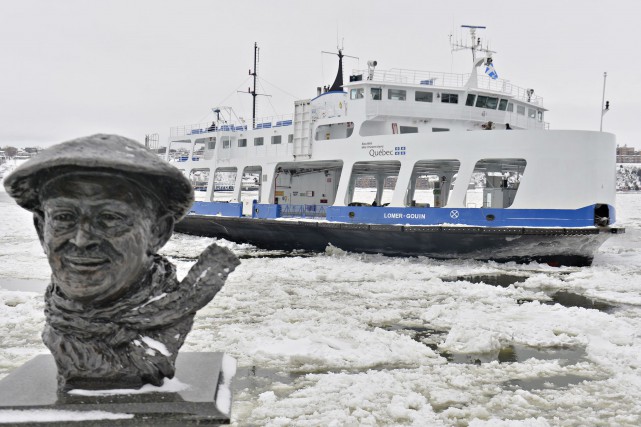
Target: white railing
[(213, 127), (450, 80)]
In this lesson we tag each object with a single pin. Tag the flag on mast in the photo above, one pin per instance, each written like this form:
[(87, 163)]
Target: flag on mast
[(490, 71)]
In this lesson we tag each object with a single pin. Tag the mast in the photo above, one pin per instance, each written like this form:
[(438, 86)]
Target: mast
[(253, 93), (476, 44)]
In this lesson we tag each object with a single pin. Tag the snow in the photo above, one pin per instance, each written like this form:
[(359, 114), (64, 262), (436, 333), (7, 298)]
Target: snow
[(353, 339), (224, 393), (168, 386), (156, 345), (51, 415)]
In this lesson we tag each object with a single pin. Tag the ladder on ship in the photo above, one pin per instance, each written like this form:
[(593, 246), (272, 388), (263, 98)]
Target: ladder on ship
[(303, 129)]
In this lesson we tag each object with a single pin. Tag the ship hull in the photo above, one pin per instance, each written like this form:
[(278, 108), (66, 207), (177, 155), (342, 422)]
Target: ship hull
[(555, 246)]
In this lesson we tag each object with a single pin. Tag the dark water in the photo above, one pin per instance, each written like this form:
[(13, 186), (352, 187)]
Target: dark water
[(564, 298), (509, 354), (569, 299), (553, 382), (502, 280)]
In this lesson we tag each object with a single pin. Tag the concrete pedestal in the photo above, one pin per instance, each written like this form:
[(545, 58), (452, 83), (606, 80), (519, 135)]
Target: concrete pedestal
[(206, 399)]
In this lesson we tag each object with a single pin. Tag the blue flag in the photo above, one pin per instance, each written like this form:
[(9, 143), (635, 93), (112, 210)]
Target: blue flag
[(490, 71)]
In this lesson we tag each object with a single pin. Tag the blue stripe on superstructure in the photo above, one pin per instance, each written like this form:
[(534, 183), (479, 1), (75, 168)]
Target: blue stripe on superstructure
[(329, 93)]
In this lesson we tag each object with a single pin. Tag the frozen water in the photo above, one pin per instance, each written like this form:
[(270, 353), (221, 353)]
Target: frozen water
[(352, 339)]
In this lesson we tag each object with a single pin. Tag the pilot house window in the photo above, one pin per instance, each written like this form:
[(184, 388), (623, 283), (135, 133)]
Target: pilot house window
[(377, 93), (449, 98), (356, 93), (396, 94), (470, 99), (423, 96), (487, 102)]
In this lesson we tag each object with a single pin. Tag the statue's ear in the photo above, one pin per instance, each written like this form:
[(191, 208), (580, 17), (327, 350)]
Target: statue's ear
[(162, 231), (39, 223)]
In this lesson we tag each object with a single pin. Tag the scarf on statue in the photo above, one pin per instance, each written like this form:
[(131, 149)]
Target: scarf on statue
[(146, 326)]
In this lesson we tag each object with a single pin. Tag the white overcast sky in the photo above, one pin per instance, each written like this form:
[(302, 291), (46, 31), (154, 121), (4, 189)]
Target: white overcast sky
[(75, 67)]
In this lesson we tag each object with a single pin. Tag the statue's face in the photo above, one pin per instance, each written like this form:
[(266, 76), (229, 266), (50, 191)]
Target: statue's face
[(97, 235)]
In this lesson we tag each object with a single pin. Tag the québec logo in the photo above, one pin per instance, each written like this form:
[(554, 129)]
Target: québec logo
[(398, 151)]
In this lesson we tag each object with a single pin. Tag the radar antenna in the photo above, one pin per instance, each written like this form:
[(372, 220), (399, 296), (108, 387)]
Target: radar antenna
[(475, 46)]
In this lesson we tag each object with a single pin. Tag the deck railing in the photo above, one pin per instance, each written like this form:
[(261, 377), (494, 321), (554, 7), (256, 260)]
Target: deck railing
[(450, 80), (209, 127)]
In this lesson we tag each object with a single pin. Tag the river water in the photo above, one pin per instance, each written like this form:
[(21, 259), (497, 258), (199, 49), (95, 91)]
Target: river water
[(352, 339)]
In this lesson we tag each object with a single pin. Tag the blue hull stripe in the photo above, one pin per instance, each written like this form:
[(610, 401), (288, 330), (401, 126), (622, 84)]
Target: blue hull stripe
[(483, 217)]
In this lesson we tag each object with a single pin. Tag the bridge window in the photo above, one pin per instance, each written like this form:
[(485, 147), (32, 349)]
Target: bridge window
[(226, 142), (440, 130), (510, 107), (396, 94), (290, 138), (276, 139), (520, 109), (356, 93), (502, 104), (470, 99), (423, 96), (377, 93), (449, 98), (258, 141), (487, 102), (242, 142), (540, 115), (211, 143), (531, 113)]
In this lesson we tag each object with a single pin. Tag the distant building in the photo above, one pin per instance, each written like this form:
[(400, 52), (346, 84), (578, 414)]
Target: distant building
[(627, 154)]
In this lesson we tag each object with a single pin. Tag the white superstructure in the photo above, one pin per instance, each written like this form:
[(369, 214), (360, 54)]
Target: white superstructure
[(405, 124)]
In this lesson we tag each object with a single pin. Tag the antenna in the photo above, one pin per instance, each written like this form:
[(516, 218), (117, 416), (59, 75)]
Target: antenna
[(475, 46), (605, 105), (253, 92)]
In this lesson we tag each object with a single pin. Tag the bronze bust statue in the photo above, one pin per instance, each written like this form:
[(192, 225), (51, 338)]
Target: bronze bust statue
[(116, 315)]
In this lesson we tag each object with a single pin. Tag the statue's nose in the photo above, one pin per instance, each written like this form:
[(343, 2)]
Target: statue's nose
[(84, 237)]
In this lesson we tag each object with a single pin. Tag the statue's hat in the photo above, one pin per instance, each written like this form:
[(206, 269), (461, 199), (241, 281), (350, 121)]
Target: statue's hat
[(102, 153)]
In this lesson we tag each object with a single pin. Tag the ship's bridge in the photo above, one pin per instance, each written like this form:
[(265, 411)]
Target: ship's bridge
[(446, 100)]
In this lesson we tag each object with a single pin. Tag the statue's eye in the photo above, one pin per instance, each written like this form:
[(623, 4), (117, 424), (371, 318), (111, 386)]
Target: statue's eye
[(111, 219), (64, 217)]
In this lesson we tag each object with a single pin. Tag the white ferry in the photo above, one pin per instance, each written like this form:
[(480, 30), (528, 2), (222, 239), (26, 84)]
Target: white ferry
[(409, 163)]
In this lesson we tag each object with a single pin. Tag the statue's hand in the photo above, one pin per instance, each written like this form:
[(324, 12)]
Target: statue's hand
[(211, 270), (201, 284)]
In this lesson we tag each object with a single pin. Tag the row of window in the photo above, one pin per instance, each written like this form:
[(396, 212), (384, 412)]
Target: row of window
[(242, 142), (473, 100)]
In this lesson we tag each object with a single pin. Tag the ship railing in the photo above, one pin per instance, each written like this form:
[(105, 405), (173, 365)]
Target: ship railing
[(209, 127), (303, 211), (451, 80)]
